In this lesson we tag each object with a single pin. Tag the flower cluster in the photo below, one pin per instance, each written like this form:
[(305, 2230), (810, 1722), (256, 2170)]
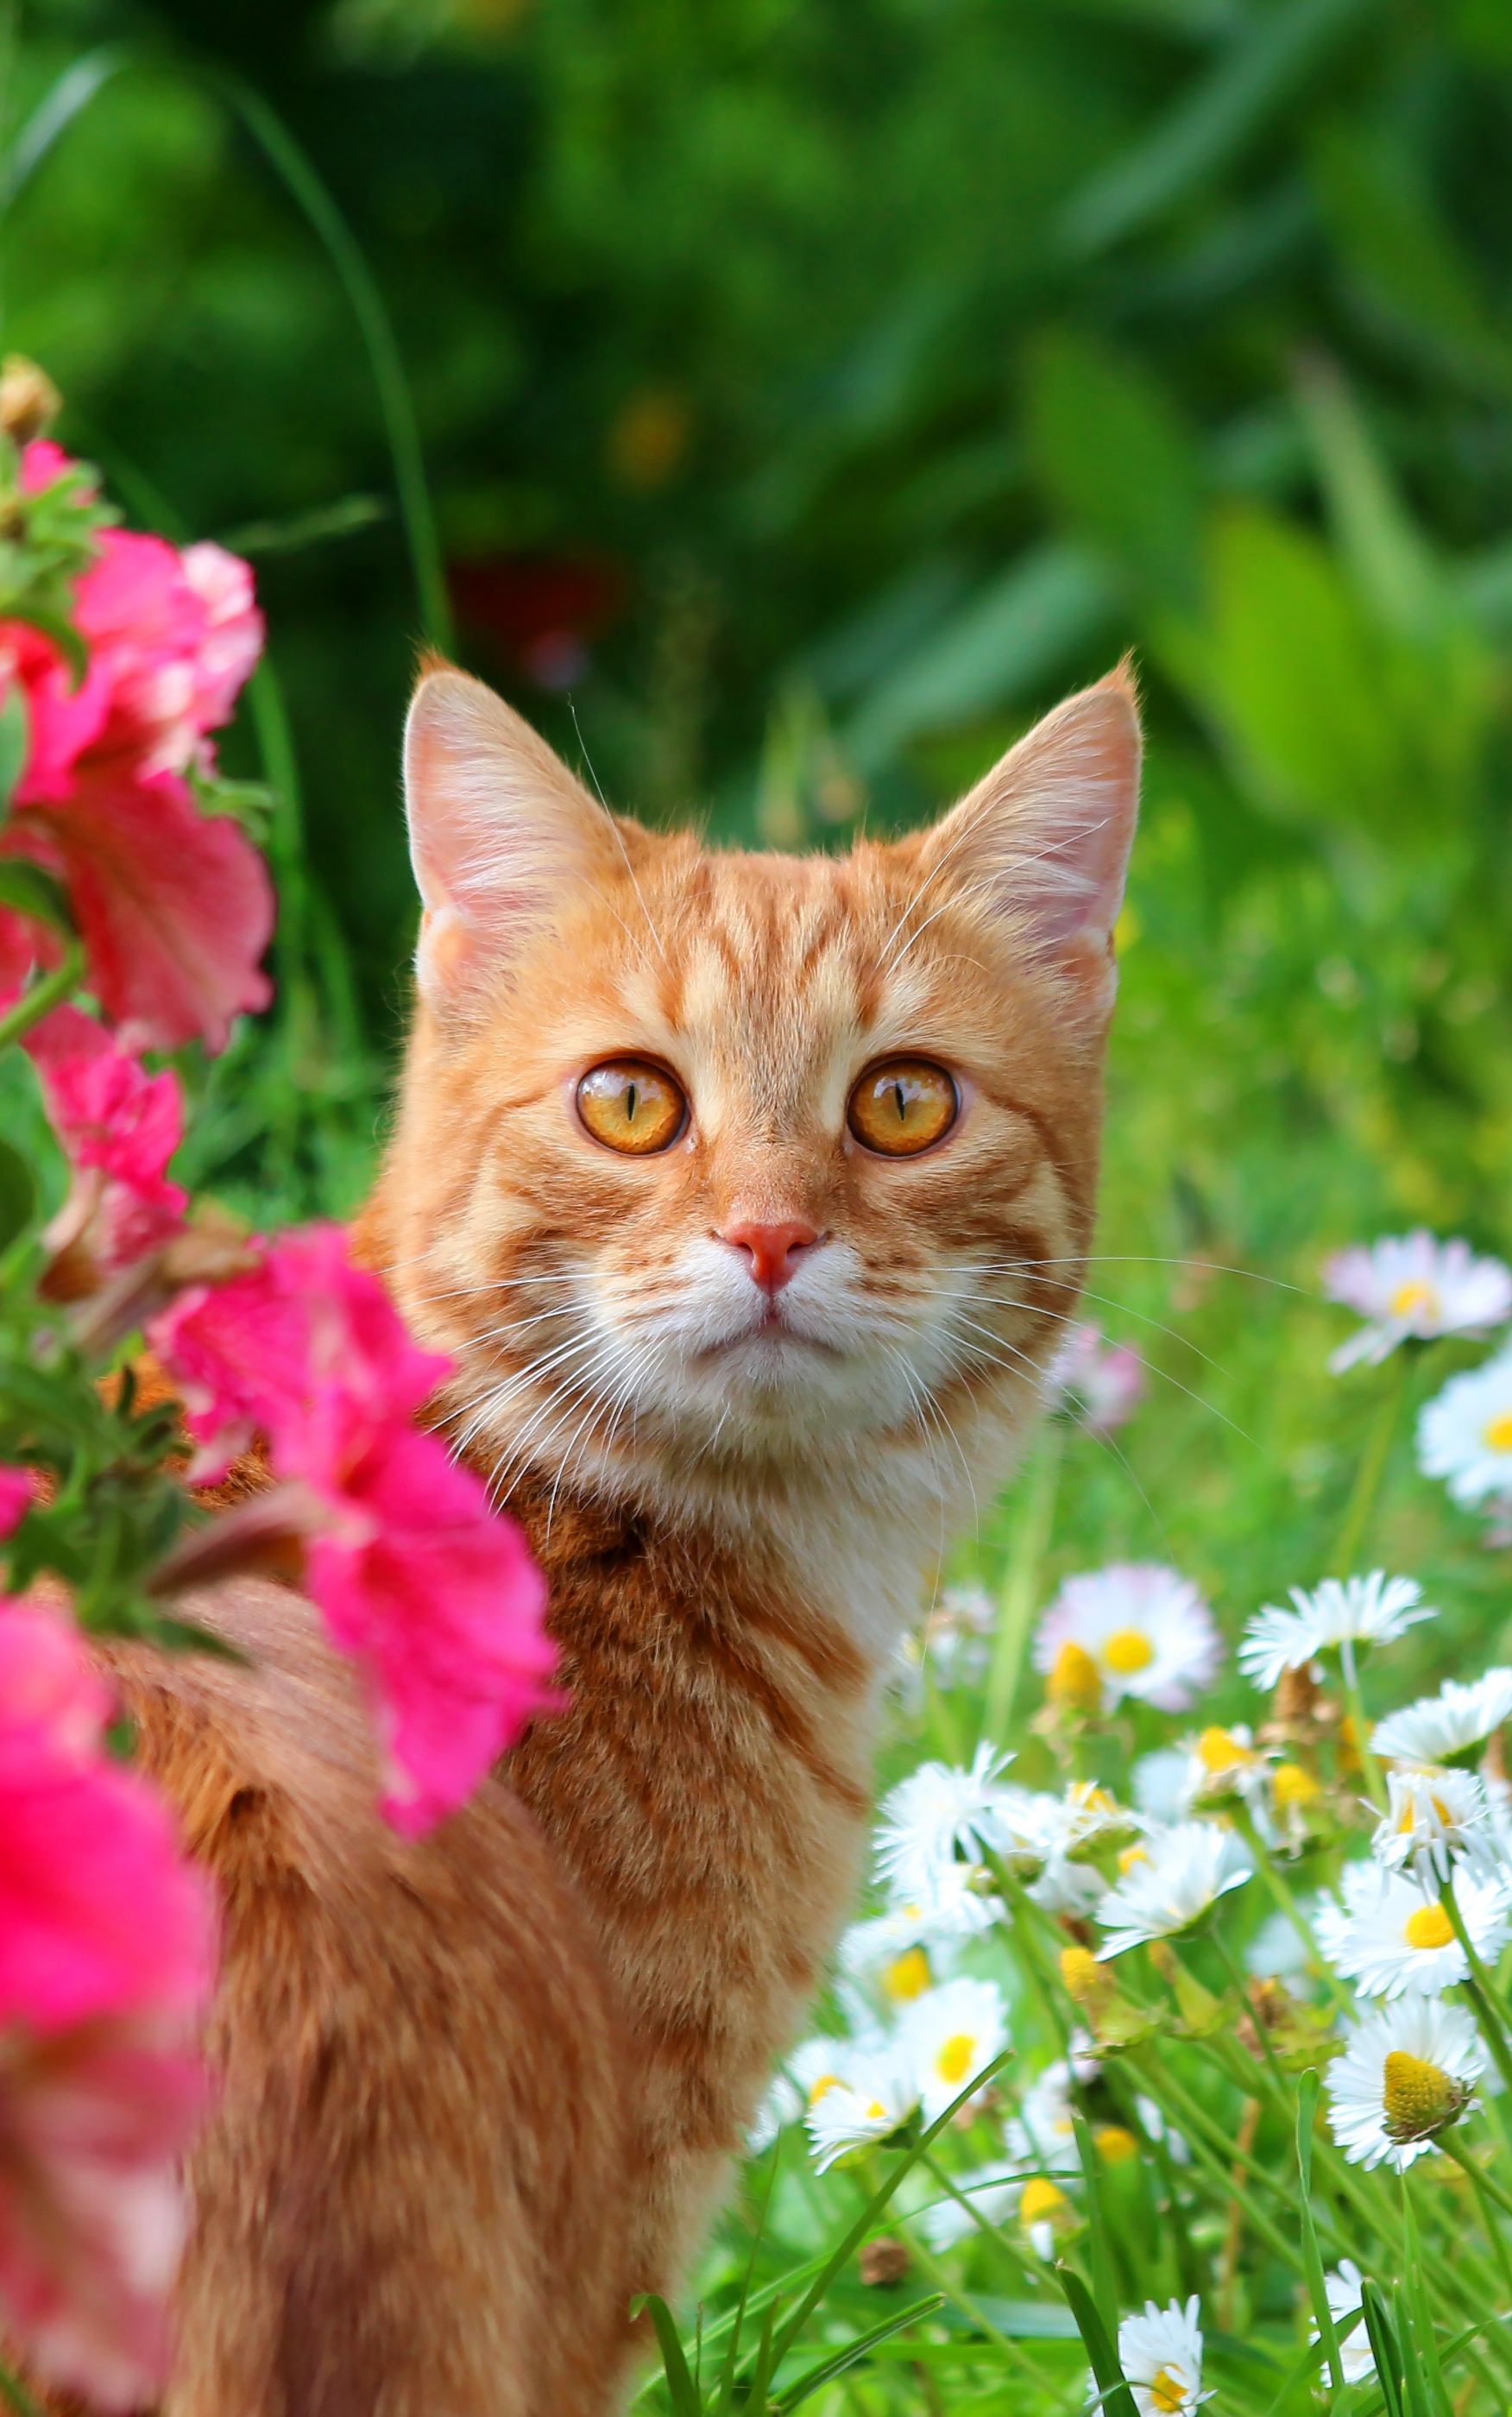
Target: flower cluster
[(135, 910), (1074, 1968)]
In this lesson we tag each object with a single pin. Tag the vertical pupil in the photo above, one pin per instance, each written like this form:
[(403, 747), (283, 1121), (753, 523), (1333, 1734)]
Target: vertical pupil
[(898, 1098), (629, 1103)]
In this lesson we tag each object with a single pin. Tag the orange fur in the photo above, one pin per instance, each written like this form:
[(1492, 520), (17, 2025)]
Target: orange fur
[(479, 2091)]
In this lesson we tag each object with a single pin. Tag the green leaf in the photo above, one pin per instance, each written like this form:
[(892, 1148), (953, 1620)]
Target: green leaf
[(18, 1194), (854, 2351), (1390, 2366), (1113, 2387), (1104, 2284), (14, 738), (680, 2388), (1210, 127), (29, 891), (1311, 2256), (1111, 449)]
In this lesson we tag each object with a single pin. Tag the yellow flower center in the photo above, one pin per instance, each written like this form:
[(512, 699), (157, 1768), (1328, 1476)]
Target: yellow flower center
[(1429, 1927), (1497, 1433), (1130, 1856), (1291, 1784), (954, 2060), (875, 2111), (1127, 1650), (1411, 1297), (1075, 1682), (825, 2082), (1115, 2145), (909, 1976), (1082, 1973), (1221, 1750), (1166, 2390), (1419, 2095), (1040, 2200)]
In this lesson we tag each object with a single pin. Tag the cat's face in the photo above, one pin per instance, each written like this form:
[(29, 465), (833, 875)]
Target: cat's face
[(726, 1158)]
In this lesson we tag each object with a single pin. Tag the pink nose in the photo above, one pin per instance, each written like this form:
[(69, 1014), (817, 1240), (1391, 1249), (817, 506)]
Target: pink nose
[(773, 1250)]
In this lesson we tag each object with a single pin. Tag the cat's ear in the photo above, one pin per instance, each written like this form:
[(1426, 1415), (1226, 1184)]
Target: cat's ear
[(1044, 838), (501, 834)]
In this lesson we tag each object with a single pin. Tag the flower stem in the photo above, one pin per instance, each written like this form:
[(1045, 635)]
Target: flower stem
[(43, 996), (1373, 1460), (1480, 1988), (1037, 1519), (1375, 1785), (1286, 1903)]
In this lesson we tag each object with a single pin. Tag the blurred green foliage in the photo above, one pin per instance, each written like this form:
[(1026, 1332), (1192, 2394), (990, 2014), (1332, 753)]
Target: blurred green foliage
[(808, 394)]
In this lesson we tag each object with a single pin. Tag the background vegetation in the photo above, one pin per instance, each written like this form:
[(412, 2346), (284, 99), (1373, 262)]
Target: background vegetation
[(808, 392)]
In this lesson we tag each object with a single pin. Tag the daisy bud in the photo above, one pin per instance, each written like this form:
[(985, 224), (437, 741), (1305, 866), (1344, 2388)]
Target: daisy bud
[(1089, 1983), (29, 401), (1115, 2145), (1292, 1787), (1075, 1682)]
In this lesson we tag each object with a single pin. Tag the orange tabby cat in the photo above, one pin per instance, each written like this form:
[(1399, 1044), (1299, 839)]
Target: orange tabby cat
[(749, 1192)]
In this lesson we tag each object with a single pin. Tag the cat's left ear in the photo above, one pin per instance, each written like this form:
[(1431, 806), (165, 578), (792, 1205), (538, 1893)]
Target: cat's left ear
[(1044, 838)]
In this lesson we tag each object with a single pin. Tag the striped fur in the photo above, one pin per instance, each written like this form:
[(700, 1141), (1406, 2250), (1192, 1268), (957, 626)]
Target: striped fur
[(481, 2088)]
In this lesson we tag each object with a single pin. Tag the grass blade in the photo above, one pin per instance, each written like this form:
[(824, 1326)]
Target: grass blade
[(685, 2399), (1113, 2387), (827, 2369), (1311, 2255), (1384, 2347), (56, 112)]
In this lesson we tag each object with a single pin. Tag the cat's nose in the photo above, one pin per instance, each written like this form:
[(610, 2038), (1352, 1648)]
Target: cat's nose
[(774, 1250)]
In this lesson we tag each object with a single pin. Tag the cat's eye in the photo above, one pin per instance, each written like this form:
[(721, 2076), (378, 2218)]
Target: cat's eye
[(902, 1104), (632, 1105)]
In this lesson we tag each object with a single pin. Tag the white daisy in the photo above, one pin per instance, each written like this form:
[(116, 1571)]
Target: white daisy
[(946, 2036), (1179, 1874), (1437, 1727), (1161, 2355), (1343, 1612), (1435, 1820), (1104, 1380), (1225, 1762), (1409, 2071), (916, 1939), (1389, 1939), (932, 1818), (875, 2096), (1411, 1284), (1049, 1842), (1345, 2296), (1138, 1629), (958, 1637), (1464, 1434), (994, 2190)]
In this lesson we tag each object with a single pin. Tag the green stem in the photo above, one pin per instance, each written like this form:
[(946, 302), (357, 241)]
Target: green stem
[(1480, 1988), (1375, 1785), (1368, 1477), (17, 2393), (393, 398), (1286, 1903), (1491, 2193), (1169, 2097), (1020, 1586), (1008, 2350), (43, 996)]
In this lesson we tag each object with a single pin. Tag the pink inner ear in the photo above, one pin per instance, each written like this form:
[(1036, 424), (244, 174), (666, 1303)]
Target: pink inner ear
[(1048, 831)]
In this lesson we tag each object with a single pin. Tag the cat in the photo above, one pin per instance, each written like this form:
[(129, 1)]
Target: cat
[(749, 1193)]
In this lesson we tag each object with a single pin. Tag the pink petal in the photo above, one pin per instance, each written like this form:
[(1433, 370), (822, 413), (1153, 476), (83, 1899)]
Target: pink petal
[(444, 1607), (18, 1491), (93, 2125), (110, 1114), (175, 906)]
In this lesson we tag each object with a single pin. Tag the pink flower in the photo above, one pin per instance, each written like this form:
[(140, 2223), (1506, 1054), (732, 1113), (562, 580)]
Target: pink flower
[(94, 2122), (119, 1126), (1106, 1380), (18, 1491), (434, 1596), (106, 1939), (100, 1913), (173, 905)]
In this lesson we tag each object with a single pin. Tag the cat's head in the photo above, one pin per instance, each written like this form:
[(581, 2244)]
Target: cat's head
[(711, 1163)]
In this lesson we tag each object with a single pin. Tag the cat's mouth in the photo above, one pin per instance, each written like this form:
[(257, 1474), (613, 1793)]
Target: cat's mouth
[(769, 1333)]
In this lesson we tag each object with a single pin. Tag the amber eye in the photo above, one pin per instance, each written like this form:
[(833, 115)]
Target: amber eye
[(902, 1106), (629, 1105)]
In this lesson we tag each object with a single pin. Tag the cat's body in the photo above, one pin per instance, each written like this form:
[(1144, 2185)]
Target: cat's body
[(740, 1386)]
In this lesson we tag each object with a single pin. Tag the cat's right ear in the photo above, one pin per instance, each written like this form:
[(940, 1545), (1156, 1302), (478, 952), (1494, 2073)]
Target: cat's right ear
[(501, 834)]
